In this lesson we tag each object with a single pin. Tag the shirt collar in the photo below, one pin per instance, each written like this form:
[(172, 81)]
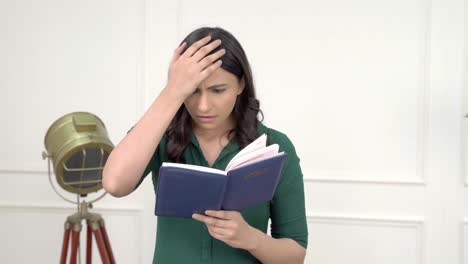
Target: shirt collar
[(194, 140), (229, 148)]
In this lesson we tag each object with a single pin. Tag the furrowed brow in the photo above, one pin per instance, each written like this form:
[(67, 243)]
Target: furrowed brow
[(217, 86)]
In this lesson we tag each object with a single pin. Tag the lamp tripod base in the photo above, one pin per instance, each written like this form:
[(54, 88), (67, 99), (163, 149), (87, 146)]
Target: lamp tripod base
[(95, 226)]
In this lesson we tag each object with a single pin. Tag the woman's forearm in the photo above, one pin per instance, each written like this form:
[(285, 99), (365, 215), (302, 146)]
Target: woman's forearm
[(129, 158), (271, 250)]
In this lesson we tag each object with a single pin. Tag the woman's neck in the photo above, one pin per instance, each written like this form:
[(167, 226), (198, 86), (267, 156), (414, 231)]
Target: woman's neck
[(212, 135)]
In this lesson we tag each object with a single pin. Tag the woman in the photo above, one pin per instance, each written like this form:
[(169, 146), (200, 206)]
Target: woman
[(205, 114)]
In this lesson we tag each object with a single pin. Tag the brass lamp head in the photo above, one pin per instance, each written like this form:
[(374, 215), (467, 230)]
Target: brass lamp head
[(78, 145)]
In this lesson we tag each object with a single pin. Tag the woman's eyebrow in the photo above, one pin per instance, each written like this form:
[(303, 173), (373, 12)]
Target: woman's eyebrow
[(217, 86)]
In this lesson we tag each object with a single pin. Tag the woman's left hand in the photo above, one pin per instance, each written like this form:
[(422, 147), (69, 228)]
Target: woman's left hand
[(229, 227)]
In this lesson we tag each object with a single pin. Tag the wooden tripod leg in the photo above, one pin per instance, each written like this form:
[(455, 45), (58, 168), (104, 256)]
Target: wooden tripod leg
[(100, 242), (89, 243), (75, 242), (66, 239), (106, 241)]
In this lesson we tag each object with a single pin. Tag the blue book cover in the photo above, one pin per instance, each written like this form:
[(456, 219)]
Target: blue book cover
[(249, 180), (253, 184)]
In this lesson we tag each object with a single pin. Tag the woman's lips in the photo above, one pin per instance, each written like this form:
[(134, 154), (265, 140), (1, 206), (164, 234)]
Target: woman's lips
[(206, 119)]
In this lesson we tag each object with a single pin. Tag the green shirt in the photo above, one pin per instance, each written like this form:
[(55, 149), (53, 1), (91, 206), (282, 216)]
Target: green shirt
[(185, 240)]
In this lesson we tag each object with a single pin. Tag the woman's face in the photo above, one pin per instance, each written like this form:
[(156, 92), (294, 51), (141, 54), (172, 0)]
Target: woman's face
[(211, 105)]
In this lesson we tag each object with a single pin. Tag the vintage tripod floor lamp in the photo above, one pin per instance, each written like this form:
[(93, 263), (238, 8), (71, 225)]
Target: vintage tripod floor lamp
[(78, 146)]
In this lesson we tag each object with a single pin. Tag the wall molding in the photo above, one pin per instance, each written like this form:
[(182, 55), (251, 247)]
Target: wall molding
[(38, 167), (141, 51), (416, 223), (23, 171), (55, 208), (359, 179), (466, 181), (420, 178), (464, 140), (464, 104), (61, 208), (463, 239)]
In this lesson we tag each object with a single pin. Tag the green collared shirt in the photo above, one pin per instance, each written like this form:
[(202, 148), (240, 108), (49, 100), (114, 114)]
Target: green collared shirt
[(185, 240)]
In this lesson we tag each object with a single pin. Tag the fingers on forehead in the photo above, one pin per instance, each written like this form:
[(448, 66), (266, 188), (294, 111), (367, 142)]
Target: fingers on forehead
[(205, 43)]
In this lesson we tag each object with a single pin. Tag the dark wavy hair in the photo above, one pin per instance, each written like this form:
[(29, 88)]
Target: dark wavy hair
[(246, 108)]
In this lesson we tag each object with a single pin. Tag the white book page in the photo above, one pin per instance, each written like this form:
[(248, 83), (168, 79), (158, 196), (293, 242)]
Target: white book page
[(257, 144), (260, 159), (193, 167), (269, 151)]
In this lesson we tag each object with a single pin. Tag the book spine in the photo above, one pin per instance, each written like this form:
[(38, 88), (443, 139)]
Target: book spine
[(158, 191), (223, 193)]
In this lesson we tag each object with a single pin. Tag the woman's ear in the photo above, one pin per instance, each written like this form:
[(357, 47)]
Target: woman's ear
[(241, 85)]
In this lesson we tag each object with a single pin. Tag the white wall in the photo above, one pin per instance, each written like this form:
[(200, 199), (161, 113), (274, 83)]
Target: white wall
[(59, 57), (372, 93)]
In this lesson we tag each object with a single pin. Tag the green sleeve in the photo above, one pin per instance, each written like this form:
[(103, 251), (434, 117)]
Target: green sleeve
[(288, 218), (155, 162), (151, 167)]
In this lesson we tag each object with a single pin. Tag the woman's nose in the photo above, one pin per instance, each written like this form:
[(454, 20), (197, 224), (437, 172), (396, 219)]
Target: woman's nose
[(204, 103)]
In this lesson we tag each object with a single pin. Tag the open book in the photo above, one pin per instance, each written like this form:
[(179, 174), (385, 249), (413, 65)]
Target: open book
[(250, 179)]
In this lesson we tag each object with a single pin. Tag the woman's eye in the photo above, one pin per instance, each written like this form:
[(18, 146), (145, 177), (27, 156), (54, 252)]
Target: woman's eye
[(218, 91)]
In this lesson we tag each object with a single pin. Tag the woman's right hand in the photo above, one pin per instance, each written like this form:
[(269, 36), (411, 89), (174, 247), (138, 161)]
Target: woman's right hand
[(189, 69)]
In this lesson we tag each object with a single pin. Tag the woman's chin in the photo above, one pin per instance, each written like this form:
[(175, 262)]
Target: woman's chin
[(206, 125), (212, 123)]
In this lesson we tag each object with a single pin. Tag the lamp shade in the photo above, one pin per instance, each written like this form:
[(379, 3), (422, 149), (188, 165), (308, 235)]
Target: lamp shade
[(78, 145)]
